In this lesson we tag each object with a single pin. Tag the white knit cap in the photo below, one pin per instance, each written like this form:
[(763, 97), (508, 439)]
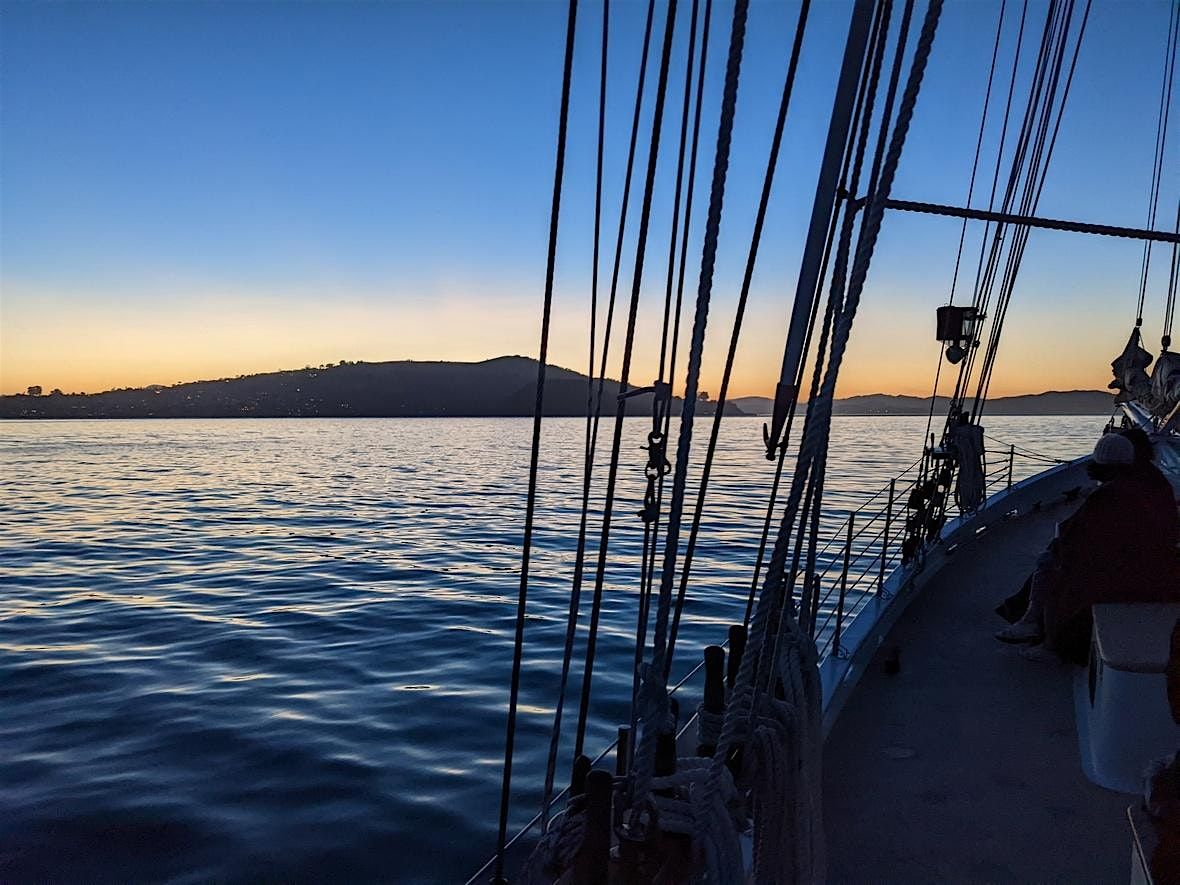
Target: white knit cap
[(1114, 448)]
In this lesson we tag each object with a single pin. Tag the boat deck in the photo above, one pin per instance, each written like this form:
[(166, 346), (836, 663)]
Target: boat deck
[(964, 766)]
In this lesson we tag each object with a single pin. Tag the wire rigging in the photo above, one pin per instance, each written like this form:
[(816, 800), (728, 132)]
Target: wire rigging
[(739, 314), (987, 99), (1037, 176), (596, 601), (1161, 139), (689, 69), (655, 676), (625, 373), (841, 198), (535, 450), (591, 439), (657, 439), (807, 286), (811, 505), (1173, 285), (967, 366), (1045, 84), (817, 421), (813, 498), (683, 249), (985, 280)]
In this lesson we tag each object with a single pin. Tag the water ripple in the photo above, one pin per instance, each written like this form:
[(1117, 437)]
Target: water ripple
[(278, 650)]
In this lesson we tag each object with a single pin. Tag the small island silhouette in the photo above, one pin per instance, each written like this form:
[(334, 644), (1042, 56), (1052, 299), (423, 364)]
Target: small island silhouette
[(500, 387)]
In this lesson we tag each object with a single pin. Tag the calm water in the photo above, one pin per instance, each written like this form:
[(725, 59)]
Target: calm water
[(279, 649)]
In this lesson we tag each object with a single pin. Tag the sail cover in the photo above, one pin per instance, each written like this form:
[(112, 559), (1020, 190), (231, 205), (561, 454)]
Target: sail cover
[(1130, 371), (1165, 384)]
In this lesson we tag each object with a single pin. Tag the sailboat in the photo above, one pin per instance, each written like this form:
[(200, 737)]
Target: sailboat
[(858, 722)]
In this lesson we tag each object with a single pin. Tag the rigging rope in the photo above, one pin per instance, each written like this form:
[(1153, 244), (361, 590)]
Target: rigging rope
[(1161, 139), (1038, 173), (692, 176), (596, 601), (809, 519), (967, 366), (661, 404), (817, 423), (844, 313), (1036, 221), (986, 275), (683, 250), (1173, 285), (625, 373), (987, 99), (739, 315), (534, 456), (688, 72), (841, 196), (748, 710), (655, 693), (808, 286), (591, 444), (984, 286), (1030, 161), (811, 506)]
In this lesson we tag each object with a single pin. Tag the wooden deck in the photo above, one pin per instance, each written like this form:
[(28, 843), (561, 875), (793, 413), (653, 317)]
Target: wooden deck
[(965, 766)]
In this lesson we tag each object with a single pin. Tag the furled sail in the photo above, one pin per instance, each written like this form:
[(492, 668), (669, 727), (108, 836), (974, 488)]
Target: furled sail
[(1165, 384), (1130, 371), (1131, 378)]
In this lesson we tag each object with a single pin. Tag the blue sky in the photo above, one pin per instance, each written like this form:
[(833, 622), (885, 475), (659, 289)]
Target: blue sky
[(193, 190)]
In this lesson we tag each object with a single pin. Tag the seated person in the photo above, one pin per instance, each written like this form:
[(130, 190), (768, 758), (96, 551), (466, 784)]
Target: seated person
[(1120, 546)]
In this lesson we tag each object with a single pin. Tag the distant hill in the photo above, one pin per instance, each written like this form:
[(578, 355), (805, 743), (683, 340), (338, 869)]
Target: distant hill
[(1053, 402), (504, 386)]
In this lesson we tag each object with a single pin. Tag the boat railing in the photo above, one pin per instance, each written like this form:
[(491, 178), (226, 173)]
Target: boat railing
[(857, 557), (860, 552)]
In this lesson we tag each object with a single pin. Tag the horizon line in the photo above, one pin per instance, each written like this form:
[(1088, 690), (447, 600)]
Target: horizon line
[(344, 363)]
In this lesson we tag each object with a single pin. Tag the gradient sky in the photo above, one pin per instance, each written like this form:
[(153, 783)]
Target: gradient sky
[(195, 190)]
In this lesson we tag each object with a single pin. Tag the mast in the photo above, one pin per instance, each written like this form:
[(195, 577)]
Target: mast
[(826, 193)]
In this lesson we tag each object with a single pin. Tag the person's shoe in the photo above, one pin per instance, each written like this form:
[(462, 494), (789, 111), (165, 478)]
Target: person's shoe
[(1020, 633)]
